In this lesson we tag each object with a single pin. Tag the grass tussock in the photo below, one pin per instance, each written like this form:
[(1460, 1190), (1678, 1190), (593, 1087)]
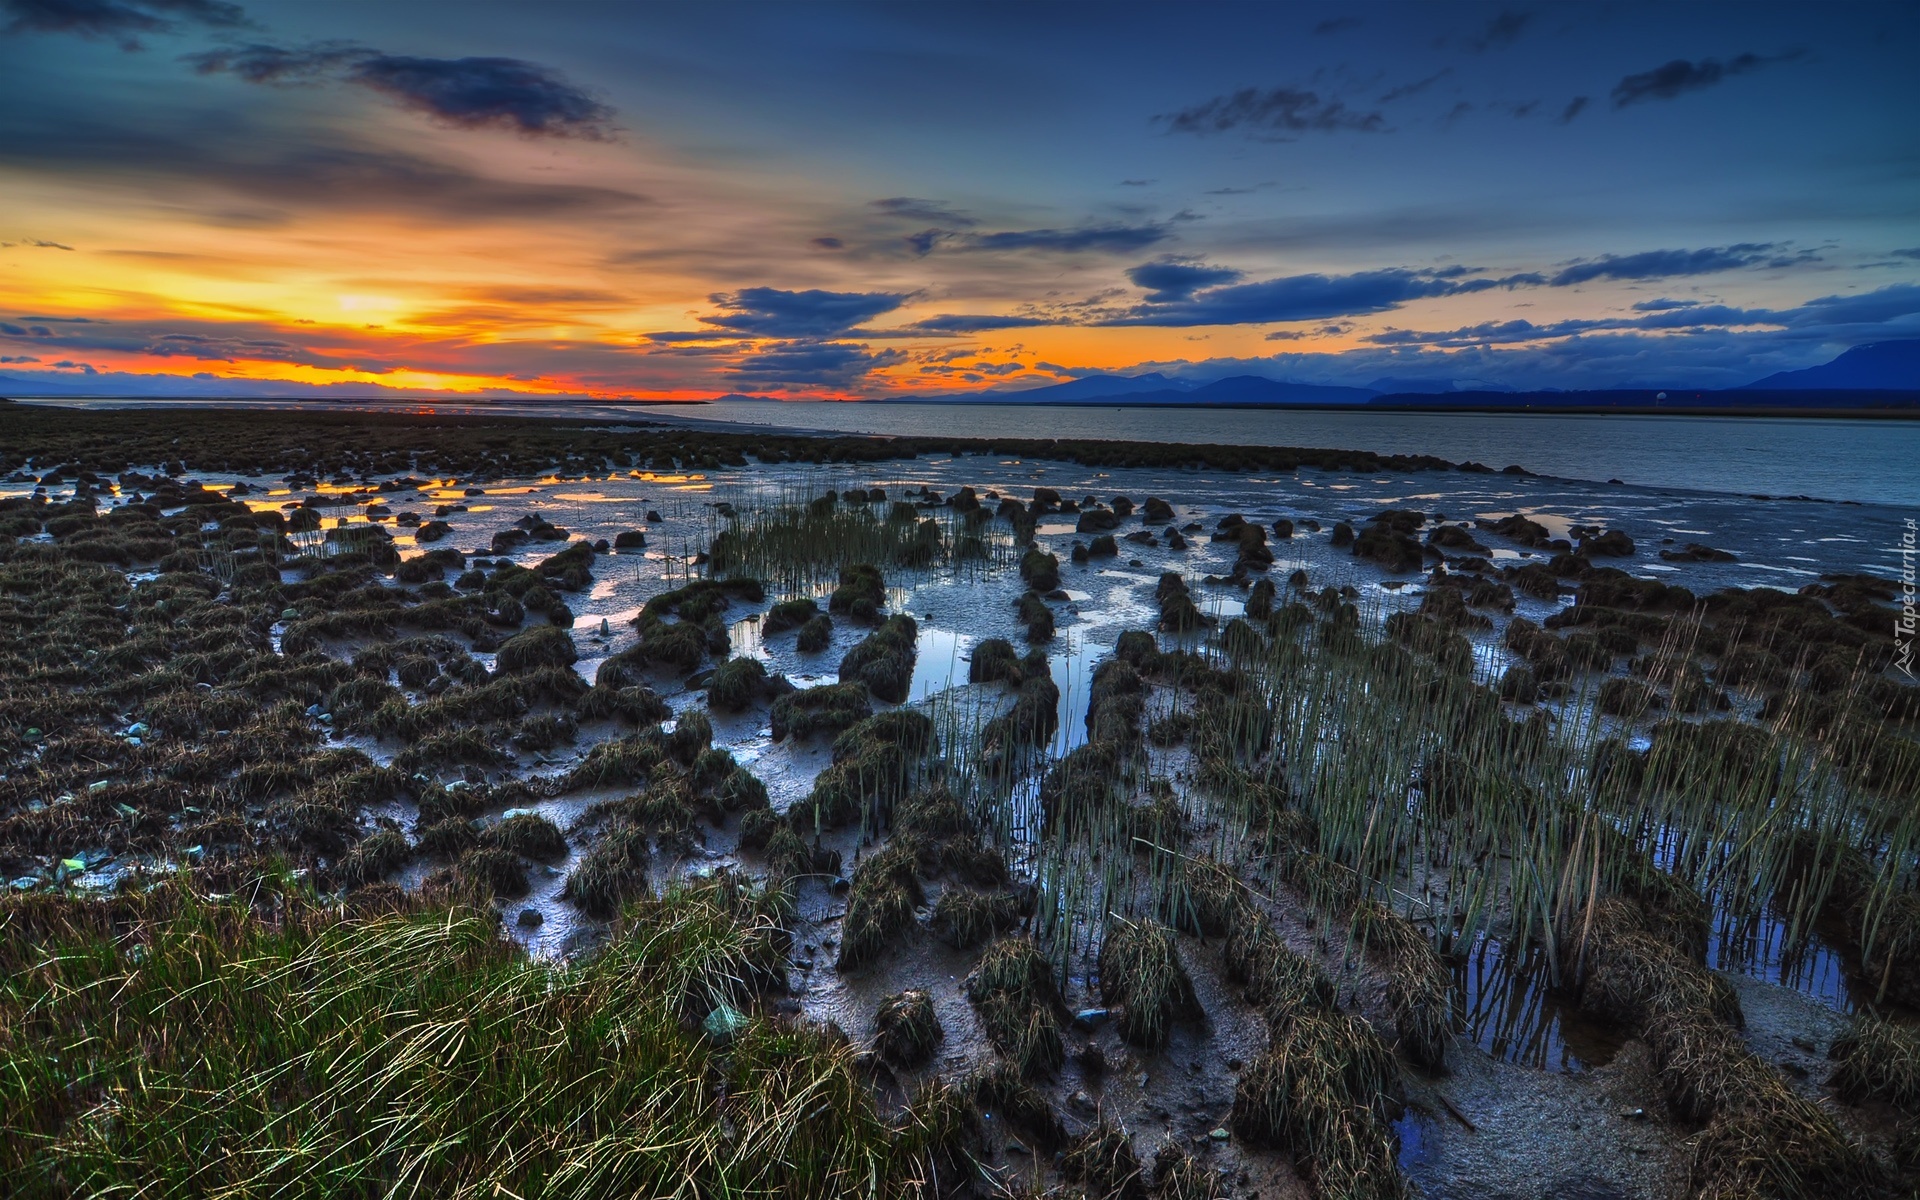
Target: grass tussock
[(906, 1029), (1014, 991), (1141, 972)]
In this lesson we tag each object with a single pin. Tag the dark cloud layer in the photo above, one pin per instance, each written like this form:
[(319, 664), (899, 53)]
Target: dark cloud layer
[(1680, 76), (1503, 30), (1169, 281), (1114, 238), (1312, 297), (121, 20), (1665, 264), (468, 93), (1281, 111), (772, 313), (913, 209), (809, 363)]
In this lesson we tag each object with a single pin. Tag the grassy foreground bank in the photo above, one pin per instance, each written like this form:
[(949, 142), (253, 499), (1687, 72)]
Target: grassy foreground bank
[(265, 1044)]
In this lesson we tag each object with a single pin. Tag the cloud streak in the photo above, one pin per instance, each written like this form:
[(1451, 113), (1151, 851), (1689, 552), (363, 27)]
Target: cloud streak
[(1678, 77), (121, 20), (463, 93), (1275, 112), (1665, 264)]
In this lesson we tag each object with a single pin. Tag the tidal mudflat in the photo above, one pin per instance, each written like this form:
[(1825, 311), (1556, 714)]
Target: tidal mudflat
[(477, 805)]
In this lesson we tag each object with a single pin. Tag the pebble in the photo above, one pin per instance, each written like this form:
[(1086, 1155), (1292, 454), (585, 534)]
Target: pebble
[(1091, 1018), (1218, 1135)]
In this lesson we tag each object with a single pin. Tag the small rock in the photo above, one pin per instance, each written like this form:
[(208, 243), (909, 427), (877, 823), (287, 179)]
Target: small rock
[(1635, 1114), (1091, 1018), (1142, 1081), (1017, 1148), (1218, 1135), (1234, 1064), (1082, 1101), (530, 918)]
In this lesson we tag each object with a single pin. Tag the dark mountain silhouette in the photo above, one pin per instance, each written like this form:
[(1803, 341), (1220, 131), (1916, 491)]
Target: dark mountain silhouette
[(1884, 366)]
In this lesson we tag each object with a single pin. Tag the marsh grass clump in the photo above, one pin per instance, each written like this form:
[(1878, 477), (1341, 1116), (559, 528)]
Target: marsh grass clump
[(1178, 612), (529, 835), (611, 873), (1877, 1059), (1178, 1175), (1001, 1091), (1041, 570), (964, 919), (1277, 978), (789, 614), (880, 908), (1014, 991), (816, 635), (1323, 1091), (623, 761), (541, 646), (498, 871), (884, 660), (375, 857), (906, 1029), (828, 708), (1141, 971), (994, 661), (862, 593), (1419, 986), (735, 684), (1103, 1159), (875, 764)]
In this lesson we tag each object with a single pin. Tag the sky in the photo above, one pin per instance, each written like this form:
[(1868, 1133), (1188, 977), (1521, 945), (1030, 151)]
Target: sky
[(866, 200)]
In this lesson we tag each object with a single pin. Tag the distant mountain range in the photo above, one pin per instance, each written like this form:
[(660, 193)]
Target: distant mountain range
[(1884, 367), (1889, 366)]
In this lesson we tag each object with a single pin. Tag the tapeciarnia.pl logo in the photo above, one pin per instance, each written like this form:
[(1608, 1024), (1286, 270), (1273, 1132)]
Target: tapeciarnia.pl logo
[(1903, 624)]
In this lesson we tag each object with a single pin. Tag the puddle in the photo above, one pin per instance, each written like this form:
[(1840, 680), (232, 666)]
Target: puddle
[(940, 662), (1509, 1011)]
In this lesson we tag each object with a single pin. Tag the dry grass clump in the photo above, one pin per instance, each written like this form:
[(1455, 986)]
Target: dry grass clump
[(529, 835), (1141, 971), (1878, 1060), (964, 919), (1014, 991), (880, 907), (1322, 1091), (375, 857), (611, 873), (1103, 1160), (906, 1029)]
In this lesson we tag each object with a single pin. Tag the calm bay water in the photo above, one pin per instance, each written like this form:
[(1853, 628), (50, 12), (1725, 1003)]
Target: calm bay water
[(1874, 462), (1867, 461)]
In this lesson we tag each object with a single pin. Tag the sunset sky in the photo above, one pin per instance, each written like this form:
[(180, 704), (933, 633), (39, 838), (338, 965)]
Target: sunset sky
[(866, 200)]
